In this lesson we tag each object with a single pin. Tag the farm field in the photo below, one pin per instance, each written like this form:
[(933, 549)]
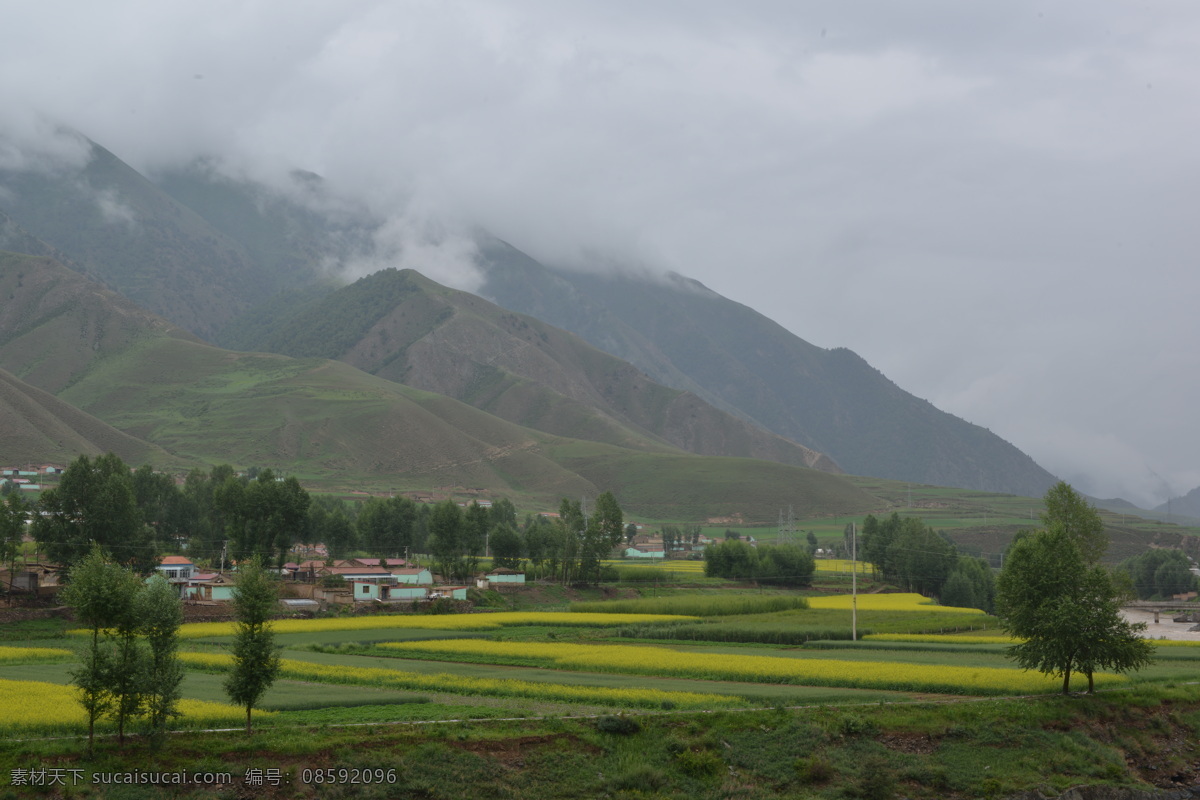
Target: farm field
[(645, 663)]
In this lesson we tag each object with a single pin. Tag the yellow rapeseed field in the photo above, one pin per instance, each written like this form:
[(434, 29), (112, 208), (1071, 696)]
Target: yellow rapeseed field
[(441, 622), (461, 684), (33, 655), (661, 661), (841, 565), (938, 638), (887, 602), (34, 704)]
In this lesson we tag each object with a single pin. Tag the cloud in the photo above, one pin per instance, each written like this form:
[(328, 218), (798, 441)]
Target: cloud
[(31, 142), (427, 243), (993, 204)]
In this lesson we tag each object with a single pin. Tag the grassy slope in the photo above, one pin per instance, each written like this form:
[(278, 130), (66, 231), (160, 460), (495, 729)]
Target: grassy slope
[(319, 419), (38, 427), (402, 326)]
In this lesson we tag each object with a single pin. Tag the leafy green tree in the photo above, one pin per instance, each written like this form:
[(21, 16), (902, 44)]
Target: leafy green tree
[(971, 584), (100, 594), (159, 614), (1067, 509), (1160, 572), (94, 503), (785, 565), (255, 660), (329, 523), (570, 525), (14, 512), (918, 559), (506, 546), (387, 525), (262, 515), (446, 539), (207, 527), (732, 559), (1066, 611), (476, 524), (875, 544), (601, 533), (503, 512), (541, 542), (164, 507)]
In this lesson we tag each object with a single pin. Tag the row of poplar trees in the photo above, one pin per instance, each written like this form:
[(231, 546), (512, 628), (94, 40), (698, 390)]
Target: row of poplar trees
[(129, 669)]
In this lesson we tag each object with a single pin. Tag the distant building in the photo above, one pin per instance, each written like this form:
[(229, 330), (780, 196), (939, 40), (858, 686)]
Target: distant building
[(175, 568)]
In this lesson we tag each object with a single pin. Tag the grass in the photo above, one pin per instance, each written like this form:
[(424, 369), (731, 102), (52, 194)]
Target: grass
[(991, 748)]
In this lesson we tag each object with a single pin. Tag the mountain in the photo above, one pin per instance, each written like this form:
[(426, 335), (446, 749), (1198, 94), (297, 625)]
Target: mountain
[(229, 260), (1186, 506), (107, 220), (686, 336), (323, 419), (39, 428), (402, 326)]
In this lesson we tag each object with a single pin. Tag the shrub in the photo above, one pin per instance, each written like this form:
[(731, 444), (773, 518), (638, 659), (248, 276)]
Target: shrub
[(814, 769), (700, 763), (619, 724)]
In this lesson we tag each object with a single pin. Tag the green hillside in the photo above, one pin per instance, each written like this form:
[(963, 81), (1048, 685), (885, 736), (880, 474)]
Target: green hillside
[(39, 428), (405, 327), (324, 420), (233, 262)]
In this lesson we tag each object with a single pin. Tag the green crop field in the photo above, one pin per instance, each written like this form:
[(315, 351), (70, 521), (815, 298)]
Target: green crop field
[(622, 688)]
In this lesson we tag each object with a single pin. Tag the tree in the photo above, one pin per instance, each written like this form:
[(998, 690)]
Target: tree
[(603, 531), (506, 546), (255, 661), (1068, 509), (541, 542), (387, 525), (94, 503), (503, 512), (1066, 610), (99, 593), (970, 584), (446, 538), (917, 558), (1160, 572), (570, 526), (13, 513), (159, 614), (476, 525)]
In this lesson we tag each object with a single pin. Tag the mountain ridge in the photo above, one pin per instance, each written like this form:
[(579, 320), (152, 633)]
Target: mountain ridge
[(206, 270), (402, 326)]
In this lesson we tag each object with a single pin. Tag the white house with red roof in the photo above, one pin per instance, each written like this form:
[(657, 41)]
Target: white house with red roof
[(176, 568)]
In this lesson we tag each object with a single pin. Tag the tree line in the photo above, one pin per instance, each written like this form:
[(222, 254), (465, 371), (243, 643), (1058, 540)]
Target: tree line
[(912, 555), (220, 516), (774, 565)]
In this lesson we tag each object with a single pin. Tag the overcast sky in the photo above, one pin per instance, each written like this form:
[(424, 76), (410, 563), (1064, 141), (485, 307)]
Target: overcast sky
[(994, 203)]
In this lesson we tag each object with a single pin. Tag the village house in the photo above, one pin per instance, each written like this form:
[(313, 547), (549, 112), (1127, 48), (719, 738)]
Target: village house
[(176, 568), (501, 576)]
